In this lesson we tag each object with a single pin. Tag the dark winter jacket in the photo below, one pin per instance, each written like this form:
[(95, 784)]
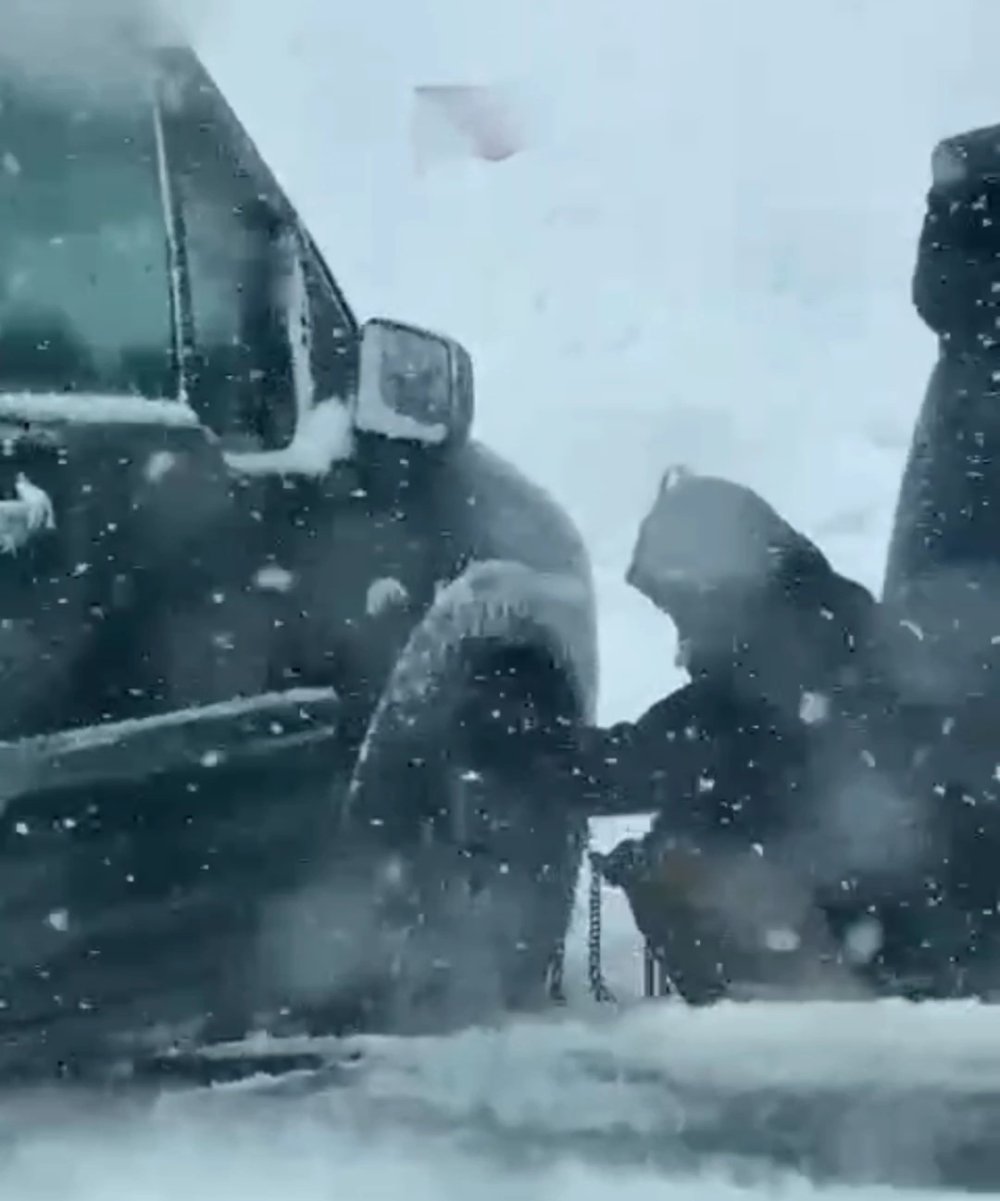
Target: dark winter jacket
[(866, 815), (781, 650), (943, 575)]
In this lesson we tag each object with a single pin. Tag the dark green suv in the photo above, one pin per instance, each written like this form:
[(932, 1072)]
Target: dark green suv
[(271, 621)]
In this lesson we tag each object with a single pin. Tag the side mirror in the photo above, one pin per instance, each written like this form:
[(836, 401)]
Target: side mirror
[(414, 386)]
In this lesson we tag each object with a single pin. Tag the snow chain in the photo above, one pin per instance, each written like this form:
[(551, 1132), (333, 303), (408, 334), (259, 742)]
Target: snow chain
[(595, 976), (557, 974), (595, 973), (655, 981)]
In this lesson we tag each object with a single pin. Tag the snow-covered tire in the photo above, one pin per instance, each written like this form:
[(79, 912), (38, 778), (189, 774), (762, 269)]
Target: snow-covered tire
[(477, 856)]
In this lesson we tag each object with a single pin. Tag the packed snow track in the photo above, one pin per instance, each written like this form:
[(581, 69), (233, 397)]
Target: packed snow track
[(877, 1092), (878, 1095)]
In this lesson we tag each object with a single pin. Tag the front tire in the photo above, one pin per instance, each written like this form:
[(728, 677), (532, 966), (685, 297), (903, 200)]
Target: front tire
[(478, 856)]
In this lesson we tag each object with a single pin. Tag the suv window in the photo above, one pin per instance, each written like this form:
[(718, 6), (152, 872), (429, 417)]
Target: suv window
[(84, 278), (240, 255), (266, 328), (335, 341)]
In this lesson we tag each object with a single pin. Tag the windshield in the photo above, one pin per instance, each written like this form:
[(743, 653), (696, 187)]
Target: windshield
[(84, 275)]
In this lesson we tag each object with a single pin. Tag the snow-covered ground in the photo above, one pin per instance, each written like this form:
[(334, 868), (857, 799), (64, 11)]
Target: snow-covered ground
[(702, 256), (555, 1109), (310, 1151)]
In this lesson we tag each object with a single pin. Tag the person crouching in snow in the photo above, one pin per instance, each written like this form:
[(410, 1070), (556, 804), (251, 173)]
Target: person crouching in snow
[(755, 769)]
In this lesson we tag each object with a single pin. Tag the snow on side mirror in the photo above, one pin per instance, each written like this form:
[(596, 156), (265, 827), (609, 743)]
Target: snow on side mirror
[(414, 386)]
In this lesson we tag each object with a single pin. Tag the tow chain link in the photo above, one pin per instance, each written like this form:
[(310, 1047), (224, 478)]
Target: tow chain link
[(595, 971), (655, 982)]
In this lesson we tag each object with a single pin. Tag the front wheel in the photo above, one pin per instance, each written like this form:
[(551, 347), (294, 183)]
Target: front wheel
[(479, 854)]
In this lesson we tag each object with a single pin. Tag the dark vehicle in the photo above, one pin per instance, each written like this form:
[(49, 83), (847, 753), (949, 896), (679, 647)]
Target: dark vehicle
[(269, 617)]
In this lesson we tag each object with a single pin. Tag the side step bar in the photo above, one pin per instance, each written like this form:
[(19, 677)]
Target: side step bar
[(206, 736)]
